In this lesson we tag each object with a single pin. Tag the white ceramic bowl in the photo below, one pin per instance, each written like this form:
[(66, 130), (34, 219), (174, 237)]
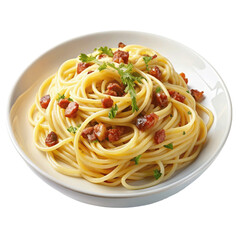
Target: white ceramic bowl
[(201, 75)]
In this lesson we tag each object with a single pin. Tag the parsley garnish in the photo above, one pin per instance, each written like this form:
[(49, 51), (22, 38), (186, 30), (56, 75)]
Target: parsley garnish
[(94, 141), (72, 129), (147, 59), (189, 113), (102, 67), (85, 58), (158, 89), (128, 78), (70, 99), (105, 50), (169, 146), (184, 133), (136, 159), (113, 112), (157, 174), (60, 97), (187, 91)]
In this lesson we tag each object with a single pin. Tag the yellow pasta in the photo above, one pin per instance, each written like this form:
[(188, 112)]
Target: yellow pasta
[(135, 160)]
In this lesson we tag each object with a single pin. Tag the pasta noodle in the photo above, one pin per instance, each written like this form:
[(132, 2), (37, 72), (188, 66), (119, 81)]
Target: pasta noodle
[(141, 155)]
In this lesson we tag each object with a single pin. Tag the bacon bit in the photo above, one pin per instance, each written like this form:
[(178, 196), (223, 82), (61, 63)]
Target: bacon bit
[(113, 135), (107, 102), (177, 96), (197, 95), (184, 77), (100, 131), (82, 66), (121, 57), (90, 72), (116, 88), (121, 45), (51, 139), (159, 136), (155, 71), (103, 55), (111, 93), (63, 103), (145, 122), (89, 134), (160, 99), (154, 56), (122, 129), (71, 110), (44, 101)]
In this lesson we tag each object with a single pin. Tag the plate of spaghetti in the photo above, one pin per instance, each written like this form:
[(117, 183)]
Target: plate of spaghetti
[(119, 118)]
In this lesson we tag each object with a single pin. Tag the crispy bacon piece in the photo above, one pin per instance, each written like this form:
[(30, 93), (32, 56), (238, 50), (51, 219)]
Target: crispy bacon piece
[(113, 135), (111, 93), (63, 103), (71, 110), (121, 57), (89, 134), (184, 77), (160, 99), (122, 129), (197, 95), (177, 96), (159, 136), (100, 131), (90, 72), (154, 56), (107, 102), (82, 66), (155, 71), (44, 101), (145, 122), (116, 88), (103, 55), (121, 45), (51, 139)]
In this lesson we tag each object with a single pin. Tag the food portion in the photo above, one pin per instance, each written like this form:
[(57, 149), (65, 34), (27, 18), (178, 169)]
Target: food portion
[(119, 116)]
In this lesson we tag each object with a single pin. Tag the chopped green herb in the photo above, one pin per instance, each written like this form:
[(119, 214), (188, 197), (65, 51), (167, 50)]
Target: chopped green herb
[(70, 99), (147, 59), (187, 91), (169, 146), (72, 129), (128, 78), (184, 133), (95, 141), (158, 89), (105, 50), (102, 67), (189, 113), (157, 174), (113, 112), (85, 58), (136, 159), (60, 97), (79, 125)]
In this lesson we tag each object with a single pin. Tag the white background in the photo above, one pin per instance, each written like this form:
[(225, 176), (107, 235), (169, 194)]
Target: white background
[(207, 209)]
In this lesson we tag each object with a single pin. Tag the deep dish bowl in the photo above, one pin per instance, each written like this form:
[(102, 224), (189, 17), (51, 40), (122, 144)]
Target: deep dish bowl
[(201, 75)]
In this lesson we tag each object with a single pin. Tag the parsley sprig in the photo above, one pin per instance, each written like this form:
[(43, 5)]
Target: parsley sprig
[(113, 112), (157, 174), (169, 146), (72, 129), (136, 159), (147, 59), (128, 78), (105, 50)]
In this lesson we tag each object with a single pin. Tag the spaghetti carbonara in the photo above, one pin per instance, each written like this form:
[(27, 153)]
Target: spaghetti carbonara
[(119, 116)]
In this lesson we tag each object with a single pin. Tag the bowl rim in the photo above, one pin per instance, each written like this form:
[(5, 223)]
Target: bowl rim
[(134, 193)]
